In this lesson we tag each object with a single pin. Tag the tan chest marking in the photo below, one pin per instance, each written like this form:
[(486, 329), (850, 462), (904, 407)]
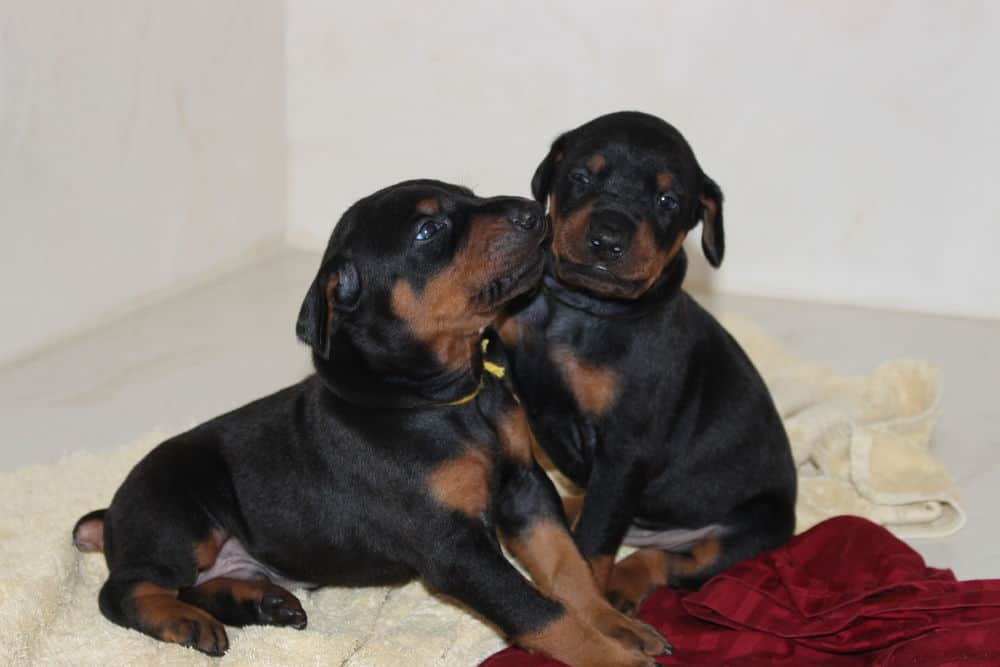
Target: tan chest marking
[(509, 330), (515, 435), (594, 389), (463, 482)]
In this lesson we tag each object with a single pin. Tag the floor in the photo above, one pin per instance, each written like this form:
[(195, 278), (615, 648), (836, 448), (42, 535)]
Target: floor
[(176, 363)]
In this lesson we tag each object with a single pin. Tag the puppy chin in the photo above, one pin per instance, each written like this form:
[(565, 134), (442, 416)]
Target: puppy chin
[(598, 281), (517, 279)]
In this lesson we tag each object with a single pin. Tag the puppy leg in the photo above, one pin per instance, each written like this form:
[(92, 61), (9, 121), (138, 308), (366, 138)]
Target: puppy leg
[(137, 602), (638, 575), (530, 518), (156, 539), (237, 602), (759, 525), (756, 527), (572, 505), (466, 564), (607, 512)]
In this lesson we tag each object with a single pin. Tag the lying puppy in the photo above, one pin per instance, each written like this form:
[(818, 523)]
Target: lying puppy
[(399, 458), (634, 391)]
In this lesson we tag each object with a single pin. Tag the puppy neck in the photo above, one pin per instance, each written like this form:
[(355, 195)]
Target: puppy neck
[(666, 287), (402, 384)]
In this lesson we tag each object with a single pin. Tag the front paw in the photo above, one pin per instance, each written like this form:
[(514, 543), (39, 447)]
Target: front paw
[(632, 632), (616, 653), (578, 643)]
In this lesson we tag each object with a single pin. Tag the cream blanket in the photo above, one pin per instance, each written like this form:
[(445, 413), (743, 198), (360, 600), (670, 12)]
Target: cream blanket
[(861, 444)]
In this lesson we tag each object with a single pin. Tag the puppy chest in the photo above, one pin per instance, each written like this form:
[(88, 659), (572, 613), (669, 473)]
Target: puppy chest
[(463, 482), (579, 361)]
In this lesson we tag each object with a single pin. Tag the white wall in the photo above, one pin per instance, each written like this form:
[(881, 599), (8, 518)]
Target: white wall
[(141, 146), (856, 141), (145, 144)]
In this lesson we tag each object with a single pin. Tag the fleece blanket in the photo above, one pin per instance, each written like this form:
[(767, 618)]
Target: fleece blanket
[(845, 593), (862, 445), (48, 594)]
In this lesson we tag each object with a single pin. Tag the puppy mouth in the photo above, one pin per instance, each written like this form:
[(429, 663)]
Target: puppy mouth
[(521, 276), (598, 279)]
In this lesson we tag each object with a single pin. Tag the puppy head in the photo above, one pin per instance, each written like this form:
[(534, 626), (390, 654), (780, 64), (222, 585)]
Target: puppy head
[(422, 264), (623, 192)]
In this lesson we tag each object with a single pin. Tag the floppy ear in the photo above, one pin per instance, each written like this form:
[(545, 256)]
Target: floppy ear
[(713, 240), (541, 182), (336, 289)]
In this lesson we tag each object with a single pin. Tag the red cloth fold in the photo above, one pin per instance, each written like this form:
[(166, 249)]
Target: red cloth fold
[(846, 592)]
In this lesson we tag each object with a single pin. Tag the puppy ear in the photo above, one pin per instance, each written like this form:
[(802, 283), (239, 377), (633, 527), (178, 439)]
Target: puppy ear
[(713, 240), (541, 182), (335, 290)]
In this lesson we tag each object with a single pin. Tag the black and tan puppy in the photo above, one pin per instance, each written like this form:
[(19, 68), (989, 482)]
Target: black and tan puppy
[(399, 458), (634, 391)]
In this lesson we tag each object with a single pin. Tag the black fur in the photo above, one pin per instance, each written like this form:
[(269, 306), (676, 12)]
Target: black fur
[(690, 436), (329, 481)]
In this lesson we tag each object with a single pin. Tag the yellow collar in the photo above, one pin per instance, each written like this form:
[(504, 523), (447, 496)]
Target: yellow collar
[(496, 370)]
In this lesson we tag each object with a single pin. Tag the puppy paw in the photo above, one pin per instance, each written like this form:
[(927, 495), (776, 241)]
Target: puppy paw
[(196, 630), (611, 653), (281, 608), (632, 632), (631, 581)]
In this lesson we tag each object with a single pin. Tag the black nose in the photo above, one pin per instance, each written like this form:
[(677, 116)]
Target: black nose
[(525, 214), (525, 219), (608, 237)]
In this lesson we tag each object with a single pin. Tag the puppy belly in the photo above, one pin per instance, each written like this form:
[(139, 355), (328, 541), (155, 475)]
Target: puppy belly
[(672, 539), (234, 562)]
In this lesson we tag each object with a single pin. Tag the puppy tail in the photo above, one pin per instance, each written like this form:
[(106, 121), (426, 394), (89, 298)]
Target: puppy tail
[(88, 533)]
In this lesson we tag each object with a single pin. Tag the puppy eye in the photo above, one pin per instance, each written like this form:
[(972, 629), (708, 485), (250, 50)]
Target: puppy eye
[(581, 176), (429, 229), (667, 201)]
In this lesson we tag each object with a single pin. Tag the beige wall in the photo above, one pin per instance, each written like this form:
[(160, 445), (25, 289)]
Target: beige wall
[(141, 147), (145, 144), (857, 142)]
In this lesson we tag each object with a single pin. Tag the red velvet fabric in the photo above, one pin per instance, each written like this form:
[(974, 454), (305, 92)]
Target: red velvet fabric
[(846, 592)]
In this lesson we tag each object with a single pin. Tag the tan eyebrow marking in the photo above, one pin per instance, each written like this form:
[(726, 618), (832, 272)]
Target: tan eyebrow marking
[(428, 206), (596, 162)]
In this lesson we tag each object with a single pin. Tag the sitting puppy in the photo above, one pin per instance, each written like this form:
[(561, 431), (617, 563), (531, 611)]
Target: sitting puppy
[(634, 391), (399, 458)]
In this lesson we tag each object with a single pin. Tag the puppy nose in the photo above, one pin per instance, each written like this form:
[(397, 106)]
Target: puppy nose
[(525, 214), (608, 238), (525, 219)]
